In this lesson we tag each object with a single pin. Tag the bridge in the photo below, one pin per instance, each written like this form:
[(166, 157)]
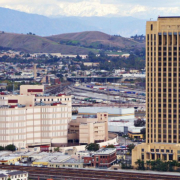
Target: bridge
[(20, 79), (93, 79)]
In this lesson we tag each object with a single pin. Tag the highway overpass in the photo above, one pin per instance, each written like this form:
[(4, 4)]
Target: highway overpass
[(94, 79)]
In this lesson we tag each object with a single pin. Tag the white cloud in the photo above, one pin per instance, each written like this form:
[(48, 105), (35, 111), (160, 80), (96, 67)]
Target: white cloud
[(67, 8), (136, 8)]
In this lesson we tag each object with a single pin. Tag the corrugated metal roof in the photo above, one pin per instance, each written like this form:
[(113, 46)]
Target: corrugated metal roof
[(109, 110)]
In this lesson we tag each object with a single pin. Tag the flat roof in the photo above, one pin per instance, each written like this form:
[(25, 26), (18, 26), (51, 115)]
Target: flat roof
[(2, 175), (168, 17), (54, 158), (5, 173), (16, 172), (105, 151), (109, 110), (5, 153), (73, 160)]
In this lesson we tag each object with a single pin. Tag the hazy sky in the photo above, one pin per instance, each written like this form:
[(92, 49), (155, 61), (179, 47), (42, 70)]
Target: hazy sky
[(145, 9)]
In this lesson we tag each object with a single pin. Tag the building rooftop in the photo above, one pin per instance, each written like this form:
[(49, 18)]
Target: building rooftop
[(73, 160), (168, 17), (2, 175), (54, 158), (16, 172), (109, 110), (5, 173), (105, 151), (89, 116), (36, 104), (2, 153)]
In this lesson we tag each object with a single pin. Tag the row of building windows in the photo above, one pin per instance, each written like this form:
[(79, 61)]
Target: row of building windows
[(169, 48), (164, 74), (160, 59), (166, 53), (66, 99), (151, 36), (158, 150)]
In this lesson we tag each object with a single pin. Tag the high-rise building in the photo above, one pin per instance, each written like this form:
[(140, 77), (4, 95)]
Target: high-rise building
[(162, 90)]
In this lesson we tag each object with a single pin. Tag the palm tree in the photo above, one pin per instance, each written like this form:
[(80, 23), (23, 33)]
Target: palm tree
[(140, 164), (148, 163)]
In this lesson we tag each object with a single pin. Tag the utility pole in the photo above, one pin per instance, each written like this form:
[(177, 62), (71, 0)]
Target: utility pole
[(107, 90), (13, 86), (119, 96)]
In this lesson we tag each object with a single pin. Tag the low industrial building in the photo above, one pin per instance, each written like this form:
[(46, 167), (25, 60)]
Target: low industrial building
[(3, 85), (70, 163), (135, 132), (55, 160), (13, 175), (112, 111), (45, 159), (126, 127), (11, 159)]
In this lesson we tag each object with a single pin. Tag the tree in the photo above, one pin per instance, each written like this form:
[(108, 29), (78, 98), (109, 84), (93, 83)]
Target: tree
[(148, 163), (56, 149), (78, 58), (18, 73), (143, 131), (1, 148), (130, 147), (140, 164), (92, 56), (139, 122), (92, 147), (110, 146), (10, 147)]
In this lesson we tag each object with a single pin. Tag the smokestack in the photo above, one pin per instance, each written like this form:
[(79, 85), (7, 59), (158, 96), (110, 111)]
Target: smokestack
[(35, 71)]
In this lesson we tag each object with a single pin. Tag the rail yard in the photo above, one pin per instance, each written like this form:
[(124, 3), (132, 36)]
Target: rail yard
[(106, 95), (90, 174)]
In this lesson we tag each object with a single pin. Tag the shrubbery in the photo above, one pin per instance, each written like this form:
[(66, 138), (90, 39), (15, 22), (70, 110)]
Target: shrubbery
[(10, 147)]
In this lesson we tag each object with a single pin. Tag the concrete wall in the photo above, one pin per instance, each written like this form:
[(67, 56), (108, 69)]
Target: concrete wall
[(21, 99), (82, 148), (24, 89)]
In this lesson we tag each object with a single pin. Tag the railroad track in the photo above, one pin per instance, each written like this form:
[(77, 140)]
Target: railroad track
[(57, 88), (89, 174), (105, 92)]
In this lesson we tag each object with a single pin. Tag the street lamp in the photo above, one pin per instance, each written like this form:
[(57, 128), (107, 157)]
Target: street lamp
[(125, 140)]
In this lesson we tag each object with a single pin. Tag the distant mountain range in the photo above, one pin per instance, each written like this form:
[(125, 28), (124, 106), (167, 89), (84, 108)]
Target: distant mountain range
[(20, 22), (71, 43)]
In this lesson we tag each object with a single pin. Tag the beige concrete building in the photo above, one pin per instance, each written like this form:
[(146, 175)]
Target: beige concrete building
[(31, 89), (89, 129), (31, 100), (162, 90), (26, 121)]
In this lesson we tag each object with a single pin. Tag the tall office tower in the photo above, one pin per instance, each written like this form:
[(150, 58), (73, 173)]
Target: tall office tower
[(162, 91)]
